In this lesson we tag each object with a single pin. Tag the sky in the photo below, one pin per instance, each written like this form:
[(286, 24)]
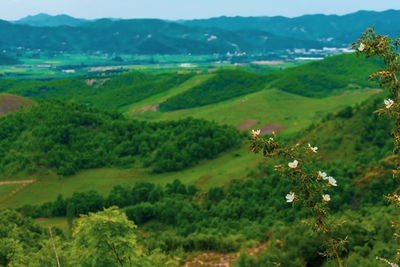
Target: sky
[(186, 9)]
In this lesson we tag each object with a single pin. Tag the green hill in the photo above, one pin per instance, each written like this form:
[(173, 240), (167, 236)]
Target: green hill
[(225, 84), (110, 93), (331, 29), (326, 77), (45, 20), (142, 36), (215, 35), (67, 137), (330, 76), (360, 135)]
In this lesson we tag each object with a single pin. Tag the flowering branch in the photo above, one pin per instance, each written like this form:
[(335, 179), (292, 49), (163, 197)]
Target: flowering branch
[(309, 186), (374, 45)]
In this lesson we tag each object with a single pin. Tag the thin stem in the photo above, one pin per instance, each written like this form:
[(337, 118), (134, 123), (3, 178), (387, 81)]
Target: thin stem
[(54, 246), (338, 258), (112, 247)]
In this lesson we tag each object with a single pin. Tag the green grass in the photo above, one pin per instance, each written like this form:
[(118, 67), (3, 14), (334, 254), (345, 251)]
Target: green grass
[(5, 189), (234, 164), (267, 106), (60, 223), (156, 99)]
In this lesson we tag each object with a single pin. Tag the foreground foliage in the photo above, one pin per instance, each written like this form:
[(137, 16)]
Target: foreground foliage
[(106, 238)]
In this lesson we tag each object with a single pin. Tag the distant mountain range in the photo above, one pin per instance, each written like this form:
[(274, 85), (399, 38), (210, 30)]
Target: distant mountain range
[(206, 36), (45, 20)]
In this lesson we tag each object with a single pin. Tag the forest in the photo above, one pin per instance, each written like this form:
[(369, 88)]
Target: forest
[(68, 137)]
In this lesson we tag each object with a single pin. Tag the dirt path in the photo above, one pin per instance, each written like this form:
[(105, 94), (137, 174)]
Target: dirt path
[(23, 183), (18, 182)]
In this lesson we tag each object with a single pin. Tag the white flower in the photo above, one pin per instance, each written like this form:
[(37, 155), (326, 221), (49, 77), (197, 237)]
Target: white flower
[(332, 181), (326, 197), (361, 47), (323, 175), (293, 164), (255, 133), (314, 149), (272, 139), (389, 103), (290, 197)]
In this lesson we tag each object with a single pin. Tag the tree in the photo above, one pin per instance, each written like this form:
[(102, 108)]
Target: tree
[(106, 238)]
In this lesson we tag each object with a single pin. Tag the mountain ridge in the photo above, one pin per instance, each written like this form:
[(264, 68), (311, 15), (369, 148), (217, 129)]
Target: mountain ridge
[(220, 35)]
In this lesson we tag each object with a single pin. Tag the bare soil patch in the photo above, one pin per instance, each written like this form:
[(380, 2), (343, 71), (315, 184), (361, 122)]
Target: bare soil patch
[(247, 124), (270, 128), (202, 180), (104, 68), (41, 219), (214, 259), (273, 62), (11, 103), (96, 82), (153, 108)]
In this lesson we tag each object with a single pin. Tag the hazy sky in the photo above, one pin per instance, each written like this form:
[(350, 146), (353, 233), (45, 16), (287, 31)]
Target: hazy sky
[(186, 9)]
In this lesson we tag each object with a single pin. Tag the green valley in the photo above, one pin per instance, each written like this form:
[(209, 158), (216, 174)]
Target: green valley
[(128, 165)]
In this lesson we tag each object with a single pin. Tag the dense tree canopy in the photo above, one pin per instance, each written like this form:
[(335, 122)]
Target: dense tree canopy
[(68, 137)]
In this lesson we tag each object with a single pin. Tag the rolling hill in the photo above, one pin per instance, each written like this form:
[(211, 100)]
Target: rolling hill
[(329, 29), (333, 75), (216, 35), (45, 20), (67, 137), (141, 36)]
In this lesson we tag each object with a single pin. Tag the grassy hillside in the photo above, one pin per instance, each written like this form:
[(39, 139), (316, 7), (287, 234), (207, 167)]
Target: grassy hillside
[(165, 91), (230, 165), (225, 84), (154, 101), (360, 135), (268, 106), (329, 76), (317, 79), (360, 139)]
